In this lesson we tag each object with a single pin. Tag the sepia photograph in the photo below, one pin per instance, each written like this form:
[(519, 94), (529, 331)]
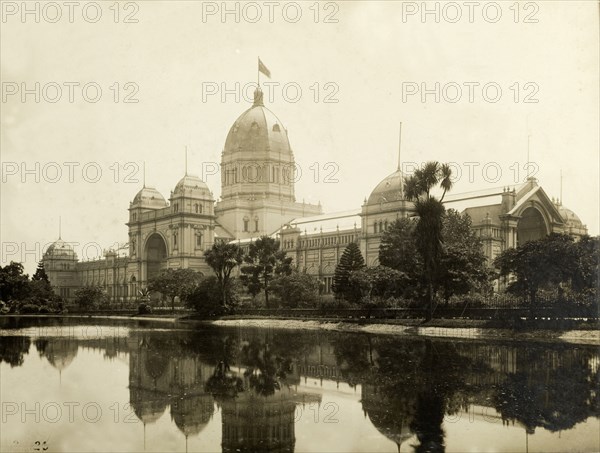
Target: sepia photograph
[(300, 226)]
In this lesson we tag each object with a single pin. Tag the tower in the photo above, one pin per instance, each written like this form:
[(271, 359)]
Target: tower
[(257, 175)]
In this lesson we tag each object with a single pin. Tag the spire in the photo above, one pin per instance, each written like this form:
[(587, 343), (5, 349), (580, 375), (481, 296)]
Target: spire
[(399, 144), (560, 198), (59, 227), (186, 152), (144, 174)]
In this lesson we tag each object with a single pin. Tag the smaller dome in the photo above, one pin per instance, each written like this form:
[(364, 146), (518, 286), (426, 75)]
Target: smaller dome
[(60, 250), (149, 197), (390, 189), (569, 217), (191, 185)]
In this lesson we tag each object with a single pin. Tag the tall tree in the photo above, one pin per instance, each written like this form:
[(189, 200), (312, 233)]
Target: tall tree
[(175, 283), (40, 273), (351, 260), (398, 251), (430, 210), (14, 284), (463, 266), (264, 259), (587, 271), (223, 258)]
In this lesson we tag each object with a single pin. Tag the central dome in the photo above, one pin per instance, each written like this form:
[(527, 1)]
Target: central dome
[(257, 130), (390, 189)]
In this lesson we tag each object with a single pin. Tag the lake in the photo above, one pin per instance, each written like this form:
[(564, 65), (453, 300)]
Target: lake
[(79, 385)]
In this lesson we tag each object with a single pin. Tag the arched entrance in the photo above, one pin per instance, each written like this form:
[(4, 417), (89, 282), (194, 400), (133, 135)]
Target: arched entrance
[(155, 255), (531, 226)]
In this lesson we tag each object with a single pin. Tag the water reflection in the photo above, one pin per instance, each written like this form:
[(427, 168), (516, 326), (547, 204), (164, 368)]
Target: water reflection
[(414, 392)]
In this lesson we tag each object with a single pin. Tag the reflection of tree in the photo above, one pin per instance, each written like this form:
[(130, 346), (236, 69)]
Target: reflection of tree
[(354, 355), (13, 349), (223, 383), (554, 399), (265, 368)]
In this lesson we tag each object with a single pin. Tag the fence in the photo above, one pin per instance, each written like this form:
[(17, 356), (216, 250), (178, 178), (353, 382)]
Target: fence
[(483, 313)]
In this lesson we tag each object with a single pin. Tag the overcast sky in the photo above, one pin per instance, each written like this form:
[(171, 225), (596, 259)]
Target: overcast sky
[(370, 57)]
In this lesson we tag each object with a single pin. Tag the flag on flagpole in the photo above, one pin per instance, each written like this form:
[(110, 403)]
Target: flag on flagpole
[(262, 68)]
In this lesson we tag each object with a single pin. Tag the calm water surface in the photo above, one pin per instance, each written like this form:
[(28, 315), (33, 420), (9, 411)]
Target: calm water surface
[(77, 386)]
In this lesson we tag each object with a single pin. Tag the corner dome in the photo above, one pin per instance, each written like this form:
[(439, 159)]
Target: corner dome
[(569, 217), (257, 130), (191, 184), (60, 250), (390, 189), (149, 197)]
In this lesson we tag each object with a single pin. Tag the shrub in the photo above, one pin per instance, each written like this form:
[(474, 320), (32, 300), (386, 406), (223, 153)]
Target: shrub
[(144, 309), (29, 308), (296, 290), (206, 298)]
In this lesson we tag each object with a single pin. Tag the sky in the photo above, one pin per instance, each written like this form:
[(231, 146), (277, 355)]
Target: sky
[(90, 94)]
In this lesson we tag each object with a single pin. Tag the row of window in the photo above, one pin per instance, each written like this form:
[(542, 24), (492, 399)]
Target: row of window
[(255, 174), (247, 225), (176, 239), (380, 227), (196, 208), (332, 240)]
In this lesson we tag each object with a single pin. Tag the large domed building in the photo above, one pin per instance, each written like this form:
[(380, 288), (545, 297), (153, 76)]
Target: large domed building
[(258, 198)]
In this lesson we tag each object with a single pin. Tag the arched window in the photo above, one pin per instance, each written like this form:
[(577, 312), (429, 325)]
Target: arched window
[(375, 227), (198, 239), (256, 224), (196, 208), (246, 221), (175, 239)]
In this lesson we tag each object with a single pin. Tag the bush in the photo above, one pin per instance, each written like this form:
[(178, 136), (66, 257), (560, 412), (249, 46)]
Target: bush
[(296, 290), (206, 298), (144, 309), (29, 309)]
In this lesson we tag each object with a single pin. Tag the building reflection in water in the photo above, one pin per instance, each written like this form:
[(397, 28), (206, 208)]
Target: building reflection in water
[(409, 388)]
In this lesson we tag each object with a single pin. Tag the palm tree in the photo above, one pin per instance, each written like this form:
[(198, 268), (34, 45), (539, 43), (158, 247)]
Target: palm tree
[(223, 258), (430, 211)]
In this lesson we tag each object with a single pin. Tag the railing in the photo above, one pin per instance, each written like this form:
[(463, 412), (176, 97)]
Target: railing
[(484, 313)]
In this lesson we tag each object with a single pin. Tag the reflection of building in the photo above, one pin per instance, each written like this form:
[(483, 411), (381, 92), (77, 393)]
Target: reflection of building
[(59, 352), (391, 421), (258, 198), (158, 378), (254, 422)]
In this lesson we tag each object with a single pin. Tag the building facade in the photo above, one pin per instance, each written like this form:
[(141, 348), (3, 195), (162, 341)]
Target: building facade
[(258, 198)]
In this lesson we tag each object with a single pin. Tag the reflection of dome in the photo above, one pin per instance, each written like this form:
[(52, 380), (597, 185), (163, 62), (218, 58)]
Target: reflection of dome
[(391, 417), (259, 130), (60, 352), (192, 414), (60, 250), (147, 405), (390, 425), (390, 189), (149, 197), (193, 184), (570, 218)]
